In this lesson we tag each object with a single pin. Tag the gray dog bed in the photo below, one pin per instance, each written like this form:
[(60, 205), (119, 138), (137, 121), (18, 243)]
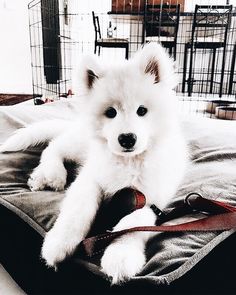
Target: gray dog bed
[(171, 257)]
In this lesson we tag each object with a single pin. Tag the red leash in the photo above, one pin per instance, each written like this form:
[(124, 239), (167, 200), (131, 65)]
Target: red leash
[(225, 219)]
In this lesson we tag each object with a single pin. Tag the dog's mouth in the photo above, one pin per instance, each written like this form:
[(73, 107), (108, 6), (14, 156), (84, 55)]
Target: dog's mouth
[(128, 150)]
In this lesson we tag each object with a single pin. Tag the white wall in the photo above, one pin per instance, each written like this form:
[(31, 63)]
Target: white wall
[(15, 60)]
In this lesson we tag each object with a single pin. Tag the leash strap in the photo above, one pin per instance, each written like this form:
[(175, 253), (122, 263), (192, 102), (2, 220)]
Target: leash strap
[(224, 220)]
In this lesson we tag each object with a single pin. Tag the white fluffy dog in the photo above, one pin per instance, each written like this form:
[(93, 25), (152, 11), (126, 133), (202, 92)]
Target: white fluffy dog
[(127, 136)]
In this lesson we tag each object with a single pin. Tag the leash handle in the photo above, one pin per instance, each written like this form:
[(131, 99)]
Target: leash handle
[(198, 203)]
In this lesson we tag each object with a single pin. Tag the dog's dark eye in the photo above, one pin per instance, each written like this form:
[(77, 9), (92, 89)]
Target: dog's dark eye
[(141, 111), (110, 113)]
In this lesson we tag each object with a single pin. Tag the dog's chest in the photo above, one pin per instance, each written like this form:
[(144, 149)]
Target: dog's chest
[(121, 174)]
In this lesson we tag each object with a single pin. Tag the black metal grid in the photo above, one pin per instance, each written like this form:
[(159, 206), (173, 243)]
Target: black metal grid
[(52, 49), (70, 31)]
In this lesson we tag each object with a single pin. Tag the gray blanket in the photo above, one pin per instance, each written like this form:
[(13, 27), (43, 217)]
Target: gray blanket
[(212, 170)]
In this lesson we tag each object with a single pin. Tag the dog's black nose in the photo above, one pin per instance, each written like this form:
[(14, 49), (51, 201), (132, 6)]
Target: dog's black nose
[(127, 140)]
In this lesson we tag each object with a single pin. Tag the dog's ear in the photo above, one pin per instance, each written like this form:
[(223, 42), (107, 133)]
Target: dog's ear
[(155, 61), (152, 67), (88, 71), (92, 71), (90, 78)]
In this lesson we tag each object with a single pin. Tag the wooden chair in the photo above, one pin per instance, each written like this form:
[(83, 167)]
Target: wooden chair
[(209, 31), (107, 42), (161, 23)]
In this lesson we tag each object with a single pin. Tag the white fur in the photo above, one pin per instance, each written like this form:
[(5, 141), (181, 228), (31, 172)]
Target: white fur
[(34, 134), (155, 166)]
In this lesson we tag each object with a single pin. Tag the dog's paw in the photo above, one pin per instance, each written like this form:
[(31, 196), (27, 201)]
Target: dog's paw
[(48, 177), (55, 248), (121, 262)]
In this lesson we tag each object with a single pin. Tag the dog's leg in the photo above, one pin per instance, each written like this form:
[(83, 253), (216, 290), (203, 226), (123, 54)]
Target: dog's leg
[(51, 171), (125, 257), (74, 221)]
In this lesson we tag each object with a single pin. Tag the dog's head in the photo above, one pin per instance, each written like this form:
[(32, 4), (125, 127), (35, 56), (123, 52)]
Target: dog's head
[(131, 104)]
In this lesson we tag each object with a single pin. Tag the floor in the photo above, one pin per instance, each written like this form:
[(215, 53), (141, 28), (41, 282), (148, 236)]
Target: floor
[(8, 285), (10, 99)]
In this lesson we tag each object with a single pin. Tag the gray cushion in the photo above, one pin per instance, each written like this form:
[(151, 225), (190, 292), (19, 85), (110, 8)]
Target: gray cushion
[(169, 255)]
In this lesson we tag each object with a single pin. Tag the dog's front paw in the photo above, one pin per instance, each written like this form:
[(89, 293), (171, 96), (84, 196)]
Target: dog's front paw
[(121, 261), (43, 176), (55, 248)]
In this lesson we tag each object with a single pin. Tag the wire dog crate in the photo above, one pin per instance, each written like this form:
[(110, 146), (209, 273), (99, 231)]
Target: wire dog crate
[(200, 35), (52, 45)]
